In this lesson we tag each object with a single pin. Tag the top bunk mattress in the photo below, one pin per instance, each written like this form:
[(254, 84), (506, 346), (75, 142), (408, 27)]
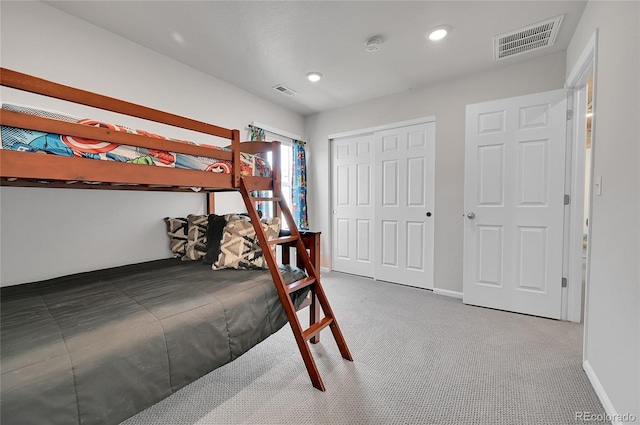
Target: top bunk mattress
[(25, 140)]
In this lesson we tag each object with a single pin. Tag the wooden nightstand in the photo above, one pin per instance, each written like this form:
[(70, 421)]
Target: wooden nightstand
[(312, 242)]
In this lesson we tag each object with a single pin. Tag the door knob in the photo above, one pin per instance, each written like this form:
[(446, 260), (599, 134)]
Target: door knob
[(471, 216)]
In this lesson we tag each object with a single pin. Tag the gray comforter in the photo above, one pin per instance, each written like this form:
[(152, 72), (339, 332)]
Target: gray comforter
[(99, 347)]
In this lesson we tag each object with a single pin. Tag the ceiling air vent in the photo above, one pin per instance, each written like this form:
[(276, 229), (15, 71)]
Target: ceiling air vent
[(285, 90), (533, 37)]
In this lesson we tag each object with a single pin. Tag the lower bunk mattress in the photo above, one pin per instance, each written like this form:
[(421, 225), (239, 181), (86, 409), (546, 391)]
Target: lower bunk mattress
[(99, 347)]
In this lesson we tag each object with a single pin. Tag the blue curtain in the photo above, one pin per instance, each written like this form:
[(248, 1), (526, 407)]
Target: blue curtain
[(257, 135), (299, 186)]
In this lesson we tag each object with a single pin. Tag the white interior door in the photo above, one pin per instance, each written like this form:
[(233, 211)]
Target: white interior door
[(352, 193), (404, 200), (514, 203)]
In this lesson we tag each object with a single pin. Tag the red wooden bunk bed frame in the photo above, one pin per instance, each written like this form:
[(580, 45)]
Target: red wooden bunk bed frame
[(26, 169)]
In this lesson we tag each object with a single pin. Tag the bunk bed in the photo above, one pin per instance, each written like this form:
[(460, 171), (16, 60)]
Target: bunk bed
[(100, 346)]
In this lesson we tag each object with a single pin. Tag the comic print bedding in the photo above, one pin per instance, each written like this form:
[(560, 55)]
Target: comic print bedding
[(24, 140)]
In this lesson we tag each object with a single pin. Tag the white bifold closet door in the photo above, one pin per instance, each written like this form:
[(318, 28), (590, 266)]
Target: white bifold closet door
[(352, 193), (383, 204), (404, 198)]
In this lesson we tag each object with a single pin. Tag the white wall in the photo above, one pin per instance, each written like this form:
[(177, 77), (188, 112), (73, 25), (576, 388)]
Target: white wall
[(612, 317), (446, 101), (51, 232)]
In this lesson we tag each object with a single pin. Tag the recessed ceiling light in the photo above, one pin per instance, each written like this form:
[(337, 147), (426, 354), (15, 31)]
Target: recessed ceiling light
[(314, 77), (438, 33)]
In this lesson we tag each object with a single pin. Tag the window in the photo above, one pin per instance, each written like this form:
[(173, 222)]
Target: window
[(286, 159), (292, 167)]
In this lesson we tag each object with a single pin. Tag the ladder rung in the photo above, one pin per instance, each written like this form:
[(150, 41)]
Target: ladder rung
[(261, 199), (299, 284), (315, 328), (284, 239)]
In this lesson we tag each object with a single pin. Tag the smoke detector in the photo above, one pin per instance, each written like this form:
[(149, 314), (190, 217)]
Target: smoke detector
[(373, 44), (533, 37)]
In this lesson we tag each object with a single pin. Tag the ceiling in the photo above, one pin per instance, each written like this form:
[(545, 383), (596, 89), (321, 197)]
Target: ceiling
[(257, 45)]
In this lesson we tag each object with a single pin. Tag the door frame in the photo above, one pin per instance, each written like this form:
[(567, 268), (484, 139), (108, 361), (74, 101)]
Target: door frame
[(575, 184), (366, 130), (576, 83)]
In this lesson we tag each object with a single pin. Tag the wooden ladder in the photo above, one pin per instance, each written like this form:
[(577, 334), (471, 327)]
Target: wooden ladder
[(312, 280)]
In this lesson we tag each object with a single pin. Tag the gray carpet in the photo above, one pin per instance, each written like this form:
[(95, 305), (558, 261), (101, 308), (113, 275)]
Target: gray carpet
[(420, 358)]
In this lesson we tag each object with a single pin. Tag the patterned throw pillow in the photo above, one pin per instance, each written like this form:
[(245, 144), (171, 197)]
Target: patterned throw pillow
[(196, 237), (239, 248), (177, 232)]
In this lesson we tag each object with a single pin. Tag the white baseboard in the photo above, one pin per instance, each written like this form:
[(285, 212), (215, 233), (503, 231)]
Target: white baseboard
[(324, 269), (602, 394), (447, 293)]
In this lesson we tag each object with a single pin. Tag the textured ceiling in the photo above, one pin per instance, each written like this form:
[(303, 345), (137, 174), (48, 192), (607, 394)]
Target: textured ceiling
[(256, 45)]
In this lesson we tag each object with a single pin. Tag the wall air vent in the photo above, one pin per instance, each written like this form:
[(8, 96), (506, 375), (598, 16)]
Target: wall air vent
[(534, 37), (285, 90)]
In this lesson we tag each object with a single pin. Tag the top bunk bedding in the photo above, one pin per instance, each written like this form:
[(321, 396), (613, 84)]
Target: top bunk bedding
[(40, 147), (26, 140)]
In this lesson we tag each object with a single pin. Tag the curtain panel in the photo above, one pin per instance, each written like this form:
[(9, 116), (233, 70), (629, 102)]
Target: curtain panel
[(299, 185)]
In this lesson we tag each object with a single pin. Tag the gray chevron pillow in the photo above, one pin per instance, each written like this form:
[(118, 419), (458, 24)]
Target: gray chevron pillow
[(196, 247), (177, 232), (239, 248)]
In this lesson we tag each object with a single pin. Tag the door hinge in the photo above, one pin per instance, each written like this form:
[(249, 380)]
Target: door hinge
[(569, 114), (567, 199), (564, 282)]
